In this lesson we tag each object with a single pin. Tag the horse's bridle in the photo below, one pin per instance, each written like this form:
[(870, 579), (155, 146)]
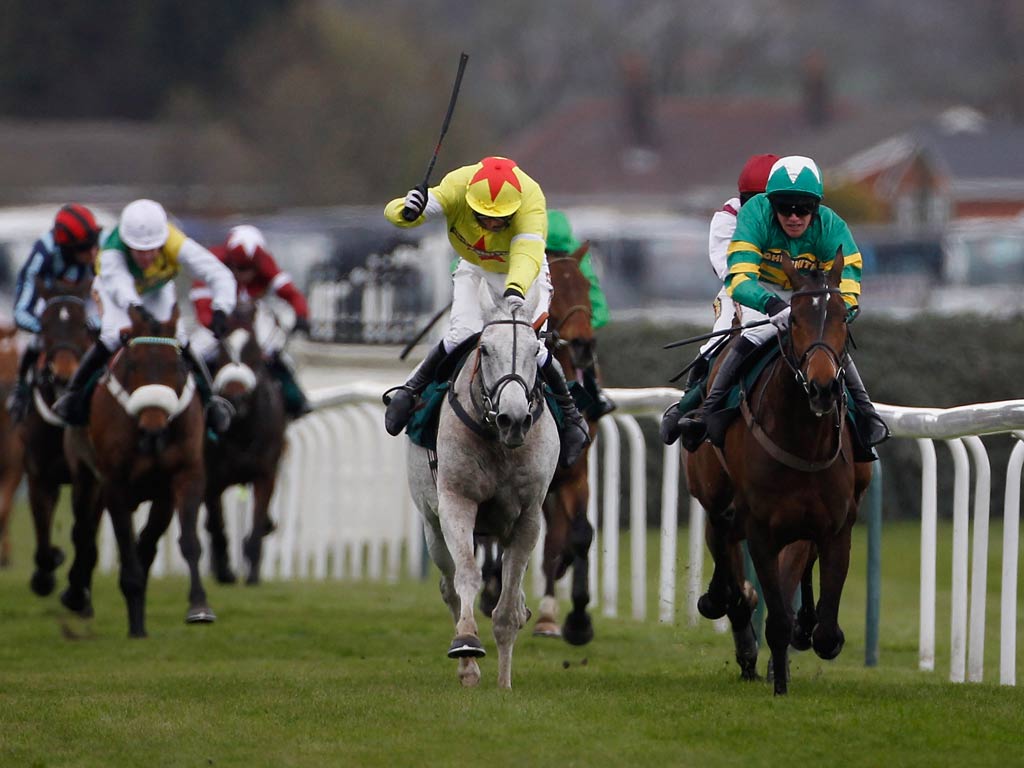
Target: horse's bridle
[(555, 340), (73, 348), (152, 395), (490, 396), (798, 366)]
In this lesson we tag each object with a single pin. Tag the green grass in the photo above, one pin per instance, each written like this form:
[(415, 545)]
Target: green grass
[(341, 673)]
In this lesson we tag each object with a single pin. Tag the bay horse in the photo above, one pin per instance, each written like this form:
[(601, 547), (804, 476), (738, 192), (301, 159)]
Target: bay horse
[(250, 451), (569, 532), (786, 474), (143, 442), (497, 448), (11, 451), (64, 337)]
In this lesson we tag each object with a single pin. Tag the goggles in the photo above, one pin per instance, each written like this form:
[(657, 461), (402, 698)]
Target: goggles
[(787, 208)]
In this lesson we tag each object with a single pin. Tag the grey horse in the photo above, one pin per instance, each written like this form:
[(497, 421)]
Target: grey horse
[(497, 449)]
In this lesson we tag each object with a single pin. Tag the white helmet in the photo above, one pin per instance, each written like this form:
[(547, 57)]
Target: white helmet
[(245, 238), (143, 225)]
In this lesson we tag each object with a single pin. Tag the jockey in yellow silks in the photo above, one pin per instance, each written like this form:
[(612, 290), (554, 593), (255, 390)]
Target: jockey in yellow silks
[(497, 224)]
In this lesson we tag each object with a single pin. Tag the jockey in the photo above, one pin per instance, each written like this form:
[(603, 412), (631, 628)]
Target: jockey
[(561, 242), (137, 267), (752, 181), (497, 222), (65, 254), (245, 253), (787, 221)]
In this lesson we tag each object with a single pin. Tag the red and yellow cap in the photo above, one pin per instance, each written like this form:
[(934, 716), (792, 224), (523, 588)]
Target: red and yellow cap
[(495, 188)]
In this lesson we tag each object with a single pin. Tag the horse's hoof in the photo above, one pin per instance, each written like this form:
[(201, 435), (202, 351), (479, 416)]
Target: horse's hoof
[(42, 582), (828, 648), (546, 628), (80, 605), (200, 615), (709, 609), (225, 576), (138, 634), (578, 630), (253, 579), (801, 639), (466, 646), (56, 558)]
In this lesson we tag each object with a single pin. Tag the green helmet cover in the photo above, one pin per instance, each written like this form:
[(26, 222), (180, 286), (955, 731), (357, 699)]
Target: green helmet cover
[(795, 175)]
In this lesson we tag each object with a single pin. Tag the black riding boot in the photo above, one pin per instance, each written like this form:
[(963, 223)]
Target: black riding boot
[(219, 411), (17, 403), (401, 401), (707, 422), (603, 404), (870, 426), (670, 429), (295, 403), (575, 434), (73, 405)]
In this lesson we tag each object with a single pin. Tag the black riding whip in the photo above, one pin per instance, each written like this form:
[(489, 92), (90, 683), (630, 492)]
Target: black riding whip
[(703, 336), (408, 213), (433, 321)]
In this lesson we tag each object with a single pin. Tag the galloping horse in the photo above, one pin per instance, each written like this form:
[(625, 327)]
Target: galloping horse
[(497, 448), (10, 442), (786, 474), (251, 449), (65, 337), (569, 533), (144, 441)]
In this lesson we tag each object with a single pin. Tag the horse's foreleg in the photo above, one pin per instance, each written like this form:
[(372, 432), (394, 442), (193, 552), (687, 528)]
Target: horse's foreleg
[(458, 516), (834, 558), (42, 498), (220, 561), (511, 614), (726, 587), (160, 513), (188, 492), (10, 482), (555, 544), (796, 568), (132, 580), (262, 491), (578, 628), (779, 620), (86, 510)]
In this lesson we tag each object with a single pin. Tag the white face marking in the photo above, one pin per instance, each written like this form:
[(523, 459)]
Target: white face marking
[(64, 315), (816, 301)]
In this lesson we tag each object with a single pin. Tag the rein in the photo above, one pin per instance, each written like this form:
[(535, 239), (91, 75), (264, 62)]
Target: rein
[(160, 396)]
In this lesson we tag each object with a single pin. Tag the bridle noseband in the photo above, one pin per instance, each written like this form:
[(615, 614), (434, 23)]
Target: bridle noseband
[(491, 395), (799, 366)]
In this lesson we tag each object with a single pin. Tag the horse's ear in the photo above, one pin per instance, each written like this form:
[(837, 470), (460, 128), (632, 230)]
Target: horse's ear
[(580, 252), (134, 315), (795, 278), (836, 273)]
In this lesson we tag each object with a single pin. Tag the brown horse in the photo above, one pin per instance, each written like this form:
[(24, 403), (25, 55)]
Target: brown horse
[(786, 474), (64, 338), (10, 442), (569, 533), (250, 451), (143, 442)]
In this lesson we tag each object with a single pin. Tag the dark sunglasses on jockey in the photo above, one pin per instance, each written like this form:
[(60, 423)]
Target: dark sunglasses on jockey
[(492, 222), (790, 206)]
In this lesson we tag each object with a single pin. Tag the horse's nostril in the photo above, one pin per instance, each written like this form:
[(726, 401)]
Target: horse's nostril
[(527, 422), (503, 421)]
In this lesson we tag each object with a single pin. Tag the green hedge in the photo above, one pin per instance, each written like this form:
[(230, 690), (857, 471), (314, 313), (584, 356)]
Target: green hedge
[(925, 361)]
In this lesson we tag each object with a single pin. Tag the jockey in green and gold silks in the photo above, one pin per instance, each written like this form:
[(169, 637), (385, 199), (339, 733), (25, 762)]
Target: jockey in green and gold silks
[(497, 223), (163, 269), (562, 242), (787, 221)]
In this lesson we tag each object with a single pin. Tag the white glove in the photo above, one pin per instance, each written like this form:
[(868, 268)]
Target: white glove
[(416, 200), (781, 319)]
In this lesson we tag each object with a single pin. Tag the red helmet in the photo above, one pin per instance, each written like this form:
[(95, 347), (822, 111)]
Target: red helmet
[(754, 176), (75, 227)]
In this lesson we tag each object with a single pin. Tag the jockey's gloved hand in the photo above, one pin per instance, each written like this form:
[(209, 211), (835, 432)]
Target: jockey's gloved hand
[(778, 313), (145, 314), (301, 326), (852, 313), (514, 300), (219, 324), (415, 202)]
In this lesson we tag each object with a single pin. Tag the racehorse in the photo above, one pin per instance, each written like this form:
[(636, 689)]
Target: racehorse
[(65, 337), (569, 533), (786, 474), (497, 448), (143, 442), (11, 451), (250, 451)]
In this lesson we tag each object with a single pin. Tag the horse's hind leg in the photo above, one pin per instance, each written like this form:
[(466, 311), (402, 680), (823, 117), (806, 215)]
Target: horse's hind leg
[(555, 545), (262, 491), (834, 559), (578, 628), (490, 572), (9, 484), (87, 510), (42, 498), (740, 613), (796, 569), (727, 587), (220, 562), (511, 613)]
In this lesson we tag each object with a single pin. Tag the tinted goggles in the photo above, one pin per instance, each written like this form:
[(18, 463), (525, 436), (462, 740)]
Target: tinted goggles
[(787, 208), (492, 221)]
